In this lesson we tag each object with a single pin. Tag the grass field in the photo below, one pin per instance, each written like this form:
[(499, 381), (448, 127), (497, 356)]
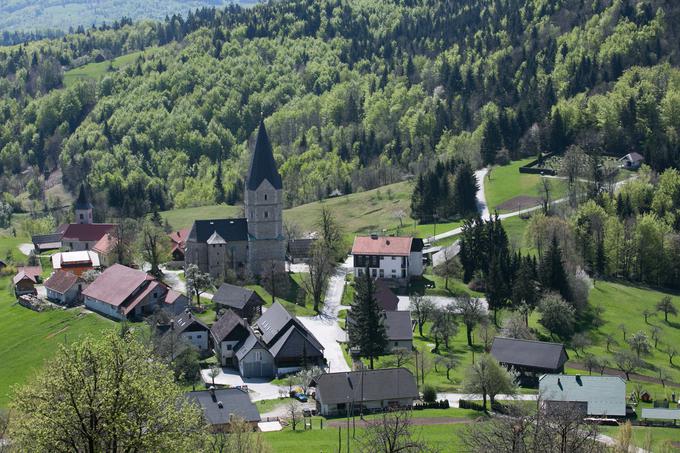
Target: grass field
[(660, 437), (445, 438), (507, 182), (96, 71)]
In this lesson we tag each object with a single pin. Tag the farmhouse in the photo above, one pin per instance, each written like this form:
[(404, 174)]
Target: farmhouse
[(390, 257), (228, 333), (245, 302), (367, 390), (590, 395), (124, 293), (76, 262), (63, 287), (528, 357), (178, 240), (25, 280), (219, 245), (191, 329), (220, 406)]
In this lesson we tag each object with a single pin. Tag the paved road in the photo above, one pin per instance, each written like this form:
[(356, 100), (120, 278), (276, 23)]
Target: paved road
[(325, 326), (482, 205), (176, 283), (259, 389)]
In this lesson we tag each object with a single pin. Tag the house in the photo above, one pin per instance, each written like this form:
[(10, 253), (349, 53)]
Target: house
[(175, 302), (386, 298), (63, 287), (192, 329), (105, 248), (299, 250), (25, 280), (366, 390), (178, 240), (530, 358), (390, 257), (399, 330), (631, 161), (221, 245), (84, 236), (228, 333), (245, 302), (76, 262), (124, 293), (220, 406), (592, 395), (254, 359), (45, 242), (289, 342)]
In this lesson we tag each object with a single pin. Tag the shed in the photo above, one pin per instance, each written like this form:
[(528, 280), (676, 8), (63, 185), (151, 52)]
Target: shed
[(528, 356), (63, 287), (220, 406), (594, 395), (245, 302)]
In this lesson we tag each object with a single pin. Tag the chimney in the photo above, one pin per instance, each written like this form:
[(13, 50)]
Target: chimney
[(172, 324), (374, 236)]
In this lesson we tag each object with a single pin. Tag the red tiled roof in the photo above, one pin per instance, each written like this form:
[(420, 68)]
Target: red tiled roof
[(30, 272), (61, 281), (179, 237), (171, 296), (105, 244), (382, 245), (386, 298), (116, 284), (86, 232)]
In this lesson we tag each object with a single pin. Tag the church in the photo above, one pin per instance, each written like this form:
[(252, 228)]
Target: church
[(251, 243)]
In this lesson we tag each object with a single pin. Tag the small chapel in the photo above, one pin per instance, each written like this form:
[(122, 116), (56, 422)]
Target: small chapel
[(250, 243)]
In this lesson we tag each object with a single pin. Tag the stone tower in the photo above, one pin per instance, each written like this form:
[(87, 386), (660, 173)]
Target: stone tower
[(83, 207), (264, 207)]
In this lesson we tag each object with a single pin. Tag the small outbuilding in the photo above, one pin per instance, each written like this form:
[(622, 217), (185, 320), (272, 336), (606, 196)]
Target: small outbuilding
[(632, 161), (399, 330), (63, 288), (245, 302), (25, 280), (221, 406)]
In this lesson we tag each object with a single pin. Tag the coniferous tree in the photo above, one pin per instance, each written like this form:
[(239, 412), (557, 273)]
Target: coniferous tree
[(220, 195), (367, 332), (465, 190), (491, 141), (552, 274)]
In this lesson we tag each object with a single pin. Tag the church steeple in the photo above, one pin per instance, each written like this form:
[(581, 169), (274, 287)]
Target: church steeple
[(263, 165), (83, 207)]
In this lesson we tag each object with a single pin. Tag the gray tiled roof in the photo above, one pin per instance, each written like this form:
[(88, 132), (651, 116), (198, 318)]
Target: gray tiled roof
[(186, 321), (231, 230), (227, 323), (367, 385), (236, 296), (234, 402), (529, 353), (398, 325)]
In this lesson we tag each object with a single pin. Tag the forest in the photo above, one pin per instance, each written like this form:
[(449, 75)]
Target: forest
[(355, 94)]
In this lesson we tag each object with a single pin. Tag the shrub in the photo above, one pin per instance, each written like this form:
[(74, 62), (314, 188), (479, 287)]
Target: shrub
[(429, 394)]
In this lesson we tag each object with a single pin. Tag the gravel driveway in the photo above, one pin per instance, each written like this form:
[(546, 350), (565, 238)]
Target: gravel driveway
[(259, 389)]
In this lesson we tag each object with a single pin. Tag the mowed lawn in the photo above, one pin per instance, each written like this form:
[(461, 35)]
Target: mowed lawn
[(96, 71), (660, 437), (507, 182), (29, 338)]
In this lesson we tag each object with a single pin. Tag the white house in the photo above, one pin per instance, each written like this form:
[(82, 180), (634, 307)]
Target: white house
[(392, 257), (192, 330)]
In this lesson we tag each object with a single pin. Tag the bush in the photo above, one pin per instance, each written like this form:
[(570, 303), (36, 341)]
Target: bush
[(443, 404), (465, 404), (429, 394)]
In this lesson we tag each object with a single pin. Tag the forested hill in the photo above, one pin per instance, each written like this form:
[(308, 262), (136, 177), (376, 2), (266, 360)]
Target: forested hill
[(23, 16), (355, 94)]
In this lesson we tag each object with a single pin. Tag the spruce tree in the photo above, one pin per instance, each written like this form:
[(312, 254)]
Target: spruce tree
[(367, 332), (465, 190), (220, 195), (551, 271)]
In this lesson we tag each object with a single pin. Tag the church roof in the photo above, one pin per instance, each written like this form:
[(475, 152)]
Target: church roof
[(230, 230), (83, 202), (263, 165), (216, 239)]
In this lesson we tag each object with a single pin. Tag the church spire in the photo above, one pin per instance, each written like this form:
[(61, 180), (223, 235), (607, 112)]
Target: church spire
[(83, 202), (263, 165)]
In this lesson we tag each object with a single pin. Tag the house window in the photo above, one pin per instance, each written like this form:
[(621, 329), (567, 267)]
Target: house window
[(258, 355), (373, 272), (361, 272), (394, 258), (87, 246), (190, 337), (198, 337), (403, 273), (396, 344), (265, 197), (266, 214), (228, 347), (81, 216), (382, 273)]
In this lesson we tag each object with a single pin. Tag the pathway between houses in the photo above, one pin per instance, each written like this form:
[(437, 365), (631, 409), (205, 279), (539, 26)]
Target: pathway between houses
[(325, 325)]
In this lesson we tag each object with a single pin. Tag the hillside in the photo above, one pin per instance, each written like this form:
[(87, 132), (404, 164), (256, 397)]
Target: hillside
[(355, 95), (32, 15)]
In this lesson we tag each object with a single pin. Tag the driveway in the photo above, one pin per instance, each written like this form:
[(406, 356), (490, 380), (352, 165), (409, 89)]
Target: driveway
[(171, 278), (439, 301), (325, 326), (259, 389)]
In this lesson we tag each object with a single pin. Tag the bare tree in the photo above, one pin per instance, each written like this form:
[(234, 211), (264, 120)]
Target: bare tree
[(450, 268), (154, 246), (591, 362), (197, 282), (624, 329), (392, 432), (471, 311), (655, 334), (610, 341), (294, 413), (664, 376), (486, 333), (647, 313), (666, 306), (422, 308), (580, 341), (320, 270), (627, 362), (213, 373), (291, 230), (240, 438), (671, 352), (275, 279), (399, 358), (545, 190), (443, 329), (488, 378), (331, 234), (515, 327)]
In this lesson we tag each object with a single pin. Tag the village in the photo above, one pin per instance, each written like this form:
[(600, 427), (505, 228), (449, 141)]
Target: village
[(246, 353)]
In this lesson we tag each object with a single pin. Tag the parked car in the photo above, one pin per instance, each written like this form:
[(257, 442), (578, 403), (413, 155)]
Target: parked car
[(300, 397)]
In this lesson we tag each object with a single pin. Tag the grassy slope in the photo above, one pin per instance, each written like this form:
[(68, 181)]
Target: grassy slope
[(660, 436), (97, 70), (507, 183)]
